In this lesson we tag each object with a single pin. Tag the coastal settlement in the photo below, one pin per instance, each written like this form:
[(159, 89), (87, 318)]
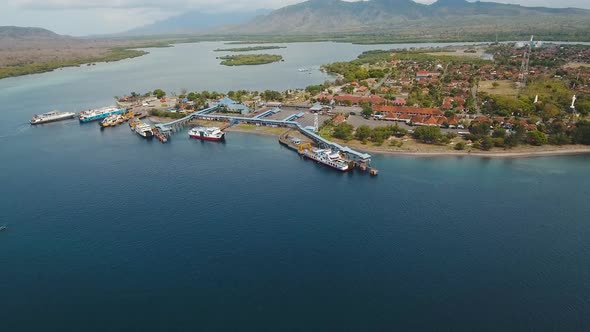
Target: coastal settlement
[(495, 100)]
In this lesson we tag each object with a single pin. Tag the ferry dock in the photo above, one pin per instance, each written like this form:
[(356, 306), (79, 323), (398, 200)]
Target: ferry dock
[(355, 158), (307, 143)]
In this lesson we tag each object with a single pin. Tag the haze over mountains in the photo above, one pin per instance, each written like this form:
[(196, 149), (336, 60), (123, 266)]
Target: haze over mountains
[(405, 19), (335, 16), (195, 21)]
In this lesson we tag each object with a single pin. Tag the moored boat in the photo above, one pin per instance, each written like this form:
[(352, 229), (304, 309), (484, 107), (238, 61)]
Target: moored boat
[(112, 120), (51, 117), (207, 133), (328, 157), (98, 114), (143, 129)]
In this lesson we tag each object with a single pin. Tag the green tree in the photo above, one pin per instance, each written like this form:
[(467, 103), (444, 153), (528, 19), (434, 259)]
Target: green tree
[(560, 138), (159, 93), (378, 137), (343, 131), (480, 129), (348, 89), (367, 110), (363, 133), (583, 107), (397, 131), (549, 112), (427, 134), (536, 137), (272, 95), (499, 133), (460, 146), (498, 142), (581, 135), (314, 89), (486, 143)]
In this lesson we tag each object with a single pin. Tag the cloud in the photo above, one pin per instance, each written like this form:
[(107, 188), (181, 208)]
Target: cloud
[(221, 5), (154, 4), (81, 17)]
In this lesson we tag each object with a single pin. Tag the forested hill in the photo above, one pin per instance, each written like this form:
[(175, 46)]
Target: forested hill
[(406, 17)]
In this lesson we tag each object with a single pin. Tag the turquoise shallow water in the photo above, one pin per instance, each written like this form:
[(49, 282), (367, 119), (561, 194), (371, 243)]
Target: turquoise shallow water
[(109, 232)]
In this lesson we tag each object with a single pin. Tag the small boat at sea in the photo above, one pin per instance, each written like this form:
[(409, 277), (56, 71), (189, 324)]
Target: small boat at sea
[(2, 228), (51, 117)]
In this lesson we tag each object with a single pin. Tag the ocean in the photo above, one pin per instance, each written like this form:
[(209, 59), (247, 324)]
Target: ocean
[(110, 232)]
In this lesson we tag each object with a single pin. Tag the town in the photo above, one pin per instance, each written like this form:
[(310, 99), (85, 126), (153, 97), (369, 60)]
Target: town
[(471, 99)]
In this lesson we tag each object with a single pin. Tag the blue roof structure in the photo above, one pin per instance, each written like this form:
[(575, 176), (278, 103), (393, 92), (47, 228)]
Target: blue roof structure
[(227, 101), (233, 105), (316, 107)]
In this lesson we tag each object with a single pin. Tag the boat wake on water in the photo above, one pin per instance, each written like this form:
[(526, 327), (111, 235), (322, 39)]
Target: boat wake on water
[(19, 129)]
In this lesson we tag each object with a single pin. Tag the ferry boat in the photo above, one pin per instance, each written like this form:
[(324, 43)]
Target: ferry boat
[(206, 133), (143, 129), (51, 116), (112, 120), (328, 157), (99, 113)]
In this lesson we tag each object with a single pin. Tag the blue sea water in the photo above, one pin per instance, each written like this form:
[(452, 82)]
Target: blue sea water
[(110, 232)]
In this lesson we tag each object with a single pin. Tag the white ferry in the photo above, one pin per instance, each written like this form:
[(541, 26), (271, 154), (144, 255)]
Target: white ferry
[(328, 157), (206, 133), (143, 130), (51, 116)]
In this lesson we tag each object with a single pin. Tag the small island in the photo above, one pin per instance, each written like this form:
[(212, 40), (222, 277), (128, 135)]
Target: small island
[(249, 59), (249, 49)]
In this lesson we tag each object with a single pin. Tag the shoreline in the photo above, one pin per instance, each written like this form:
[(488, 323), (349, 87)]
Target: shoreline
[(522, 152), (518, 152), (483, 154)]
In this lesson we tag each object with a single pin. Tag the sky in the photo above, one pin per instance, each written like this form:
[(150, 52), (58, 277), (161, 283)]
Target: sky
[(91, 17)]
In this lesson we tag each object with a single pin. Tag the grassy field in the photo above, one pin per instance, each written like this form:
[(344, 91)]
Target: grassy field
[(461, 53), (262, 130), (249, 59), (505, 88)]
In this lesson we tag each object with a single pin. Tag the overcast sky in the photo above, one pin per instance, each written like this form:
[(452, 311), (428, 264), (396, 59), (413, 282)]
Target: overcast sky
[(84, 17)]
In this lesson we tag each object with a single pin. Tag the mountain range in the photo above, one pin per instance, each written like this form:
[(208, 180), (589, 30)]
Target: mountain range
[(196, 21), (370, 21), (336, 16), (15, 33)]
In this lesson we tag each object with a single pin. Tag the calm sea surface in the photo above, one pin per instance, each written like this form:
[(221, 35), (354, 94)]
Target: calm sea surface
[(109, 232)]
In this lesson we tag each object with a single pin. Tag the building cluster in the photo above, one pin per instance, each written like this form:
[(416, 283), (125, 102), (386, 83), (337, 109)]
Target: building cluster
[(416, 116)]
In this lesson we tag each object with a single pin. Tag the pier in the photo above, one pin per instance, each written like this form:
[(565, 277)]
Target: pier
[(206, 114)]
